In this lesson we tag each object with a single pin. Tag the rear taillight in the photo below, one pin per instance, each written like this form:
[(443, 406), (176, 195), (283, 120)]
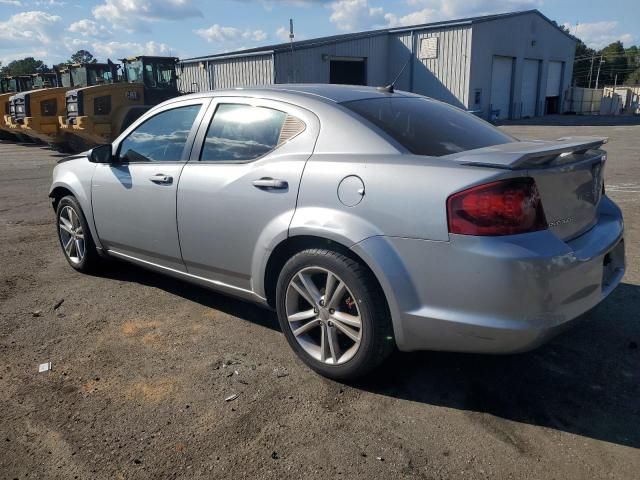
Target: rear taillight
[(506, 207)]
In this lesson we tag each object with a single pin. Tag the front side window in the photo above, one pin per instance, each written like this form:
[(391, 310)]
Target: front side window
[(428, 127), (162, 138), (242, 133)]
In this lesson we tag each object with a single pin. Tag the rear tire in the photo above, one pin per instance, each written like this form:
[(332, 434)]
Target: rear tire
[(75, 237), (338, 312)]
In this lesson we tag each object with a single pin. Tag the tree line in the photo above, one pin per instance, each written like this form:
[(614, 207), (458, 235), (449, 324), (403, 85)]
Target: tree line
[(617, 65), (29, 65)]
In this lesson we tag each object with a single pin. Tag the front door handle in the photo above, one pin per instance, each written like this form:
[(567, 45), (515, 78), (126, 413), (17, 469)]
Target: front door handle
[(268, 183), (161, 178)]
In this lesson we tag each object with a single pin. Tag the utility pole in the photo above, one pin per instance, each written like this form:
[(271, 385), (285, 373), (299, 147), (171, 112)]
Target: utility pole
[(598, 75), (591, 70), (291, 36)]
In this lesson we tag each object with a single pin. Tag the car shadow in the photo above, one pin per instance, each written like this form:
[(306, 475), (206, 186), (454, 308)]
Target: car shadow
[(585, 381), (126, 272)]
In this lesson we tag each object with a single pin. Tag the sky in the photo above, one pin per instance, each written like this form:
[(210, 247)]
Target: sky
[(51, 30)]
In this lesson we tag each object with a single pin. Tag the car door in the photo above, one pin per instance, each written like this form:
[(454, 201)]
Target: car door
[(134, 197), (238, 192)]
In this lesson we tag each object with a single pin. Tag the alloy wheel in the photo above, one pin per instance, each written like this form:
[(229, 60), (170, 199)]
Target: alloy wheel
[(71, 234), (323, 315)]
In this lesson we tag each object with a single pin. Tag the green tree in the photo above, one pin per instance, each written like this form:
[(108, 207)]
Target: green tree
[(633, 78), (82, 56), (26, 66), (615, 63), (582, 64)]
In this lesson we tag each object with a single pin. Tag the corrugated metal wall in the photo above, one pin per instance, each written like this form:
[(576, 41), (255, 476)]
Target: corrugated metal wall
[(226, 73), (399, 52), (445, 77), (242, 71), (307, 65), (193, 77)]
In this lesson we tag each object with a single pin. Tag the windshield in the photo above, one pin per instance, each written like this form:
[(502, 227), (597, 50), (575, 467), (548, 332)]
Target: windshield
[(99, 75), (4, 85), (160, 75), (428, 127), (65, 77), (134, 71), (79, 76), (45, 81)]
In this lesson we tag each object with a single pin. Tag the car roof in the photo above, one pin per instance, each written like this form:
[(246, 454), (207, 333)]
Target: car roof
[(301, 92)]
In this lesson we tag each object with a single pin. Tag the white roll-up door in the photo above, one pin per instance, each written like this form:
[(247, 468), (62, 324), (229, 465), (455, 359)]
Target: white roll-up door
[(501, 73), (529, 87), (554, 79)]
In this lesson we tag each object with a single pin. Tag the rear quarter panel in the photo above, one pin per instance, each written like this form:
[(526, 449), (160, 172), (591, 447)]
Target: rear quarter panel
[(404, 196)]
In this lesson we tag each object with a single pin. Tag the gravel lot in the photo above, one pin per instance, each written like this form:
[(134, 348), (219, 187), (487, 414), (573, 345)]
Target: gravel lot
[(142, 365)]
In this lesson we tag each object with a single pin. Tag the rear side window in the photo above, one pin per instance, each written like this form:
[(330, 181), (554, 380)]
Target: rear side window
[(242, 133), (428, 127)]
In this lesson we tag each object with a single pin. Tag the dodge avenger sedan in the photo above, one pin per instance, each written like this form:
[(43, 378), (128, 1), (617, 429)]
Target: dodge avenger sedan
[(368, 219)]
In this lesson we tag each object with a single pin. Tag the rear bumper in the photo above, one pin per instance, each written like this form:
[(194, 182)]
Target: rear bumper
[(496, 294)]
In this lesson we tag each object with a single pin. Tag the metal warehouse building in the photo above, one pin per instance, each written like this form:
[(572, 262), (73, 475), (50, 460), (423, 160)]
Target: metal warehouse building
[(503, 66)]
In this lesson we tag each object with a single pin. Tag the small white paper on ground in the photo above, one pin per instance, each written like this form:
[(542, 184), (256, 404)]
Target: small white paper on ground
[(44, 367)]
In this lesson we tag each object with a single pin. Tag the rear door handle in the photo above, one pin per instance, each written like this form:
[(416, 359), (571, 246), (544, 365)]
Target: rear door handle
[(161, 178), (268, 183)]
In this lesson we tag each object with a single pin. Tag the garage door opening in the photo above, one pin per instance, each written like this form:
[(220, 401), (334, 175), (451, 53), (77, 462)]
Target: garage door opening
[(554, 87), (348, 71)]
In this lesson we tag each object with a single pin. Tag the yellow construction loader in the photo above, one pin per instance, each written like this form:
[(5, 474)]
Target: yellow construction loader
[(9, 86), (35, 112), (97, 114)]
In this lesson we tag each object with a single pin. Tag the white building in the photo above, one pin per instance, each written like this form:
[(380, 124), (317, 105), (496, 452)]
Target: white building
[(503, 66)]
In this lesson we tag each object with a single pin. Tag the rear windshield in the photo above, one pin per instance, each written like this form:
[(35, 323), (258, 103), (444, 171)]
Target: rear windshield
[(428, 127)]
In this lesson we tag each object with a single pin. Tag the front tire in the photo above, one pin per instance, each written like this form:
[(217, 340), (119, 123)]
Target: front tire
[(333, 314), (75, 237)]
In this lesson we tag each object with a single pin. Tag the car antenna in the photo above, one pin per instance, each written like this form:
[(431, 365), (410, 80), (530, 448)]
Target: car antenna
[(391, 87)]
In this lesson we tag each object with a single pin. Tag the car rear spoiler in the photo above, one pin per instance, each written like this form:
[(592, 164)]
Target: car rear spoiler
[(528, 153)]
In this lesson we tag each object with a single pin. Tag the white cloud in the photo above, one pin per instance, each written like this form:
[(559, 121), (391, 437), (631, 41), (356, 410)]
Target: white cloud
[(130, 49), (599, 34), (353, 15), (356, 15), (15, 3), (29, 28), (135, 14), (50, 3), (283, 34), (219, 33), (89, 28)]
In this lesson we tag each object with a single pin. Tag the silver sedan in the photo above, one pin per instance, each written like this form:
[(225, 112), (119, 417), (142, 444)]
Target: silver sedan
[(368, 219)]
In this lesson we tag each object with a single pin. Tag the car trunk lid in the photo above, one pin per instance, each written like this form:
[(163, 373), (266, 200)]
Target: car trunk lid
[(568, 173)]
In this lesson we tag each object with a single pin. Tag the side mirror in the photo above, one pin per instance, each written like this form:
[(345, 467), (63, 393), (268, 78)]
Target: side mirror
[(101, 154)]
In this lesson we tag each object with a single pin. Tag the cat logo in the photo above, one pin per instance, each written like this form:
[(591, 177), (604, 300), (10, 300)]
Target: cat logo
[(132, 95)]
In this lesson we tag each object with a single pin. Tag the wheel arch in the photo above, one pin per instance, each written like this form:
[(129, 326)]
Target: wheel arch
[(294, 244), (72, 186), (57, 194)]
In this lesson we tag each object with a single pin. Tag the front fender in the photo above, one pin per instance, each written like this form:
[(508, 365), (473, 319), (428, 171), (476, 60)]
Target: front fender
[(76, 176)]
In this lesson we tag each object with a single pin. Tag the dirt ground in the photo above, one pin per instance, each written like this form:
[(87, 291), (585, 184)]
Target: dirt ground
[(142, 365)]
